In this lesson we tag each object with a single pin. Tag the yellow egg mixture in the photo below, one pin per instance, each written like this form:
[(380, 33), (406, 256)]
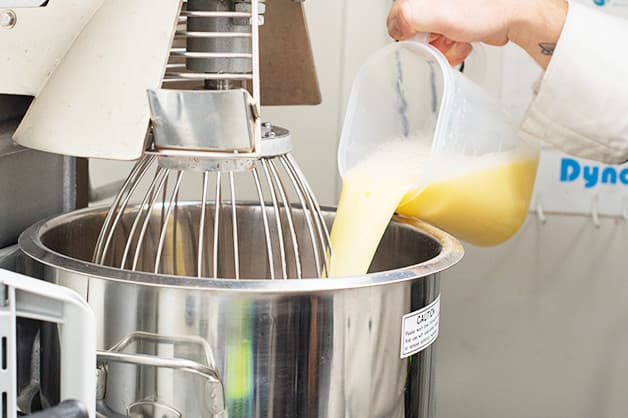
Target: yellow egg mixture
[(483, 200)]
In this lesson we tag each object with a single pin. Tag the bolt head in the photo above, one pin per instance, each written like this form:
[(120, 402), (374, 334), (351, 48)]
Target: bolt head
[(8, 19)]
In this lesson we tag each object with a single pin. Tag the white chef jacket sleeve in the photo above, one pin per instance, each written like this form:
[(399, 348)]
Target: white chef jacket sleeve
[(582, 103)]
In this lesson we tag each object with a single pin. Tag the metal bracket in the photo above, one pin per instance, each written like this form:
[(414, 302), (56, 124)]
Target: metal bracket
[(210, 121), (275, 141)]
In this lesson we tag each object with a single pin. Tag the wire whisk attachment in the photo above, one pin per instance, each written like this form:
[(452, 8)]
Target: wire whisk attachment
[(276, 230)]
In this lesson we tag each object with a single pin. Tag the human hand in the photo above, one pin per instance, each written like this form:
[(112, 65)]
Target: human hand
[(535, 25)]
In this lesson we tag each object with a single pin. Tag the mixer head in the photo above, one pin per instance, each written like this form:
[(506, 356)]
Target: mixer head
[(90, 96)]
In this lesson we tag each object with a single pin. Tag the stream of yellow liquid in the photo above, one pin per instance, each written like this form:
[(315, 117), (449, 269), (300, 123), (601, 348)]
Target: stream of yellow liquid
[(484, 204)]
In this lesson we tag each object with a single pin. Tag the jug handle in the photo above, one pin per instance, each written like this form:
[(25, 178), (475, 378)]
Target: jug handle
[(420, 37), (479, 52)]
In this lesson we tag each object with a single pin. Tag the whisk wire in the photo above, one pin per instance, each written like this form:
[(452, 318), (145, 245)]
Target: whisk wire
[(308, 215), (201, 229), (164, 229), (123, 205), (218, 205), (269, 245), (234, 223), (129, 183), (160, 174), (289, 217), (320, 219), (152, 204), (273, 196)]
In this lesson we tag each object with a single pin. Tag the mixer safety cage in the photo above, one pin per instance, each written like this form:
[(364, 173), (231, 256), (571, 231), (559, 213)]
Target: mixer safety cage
[(207, 274)]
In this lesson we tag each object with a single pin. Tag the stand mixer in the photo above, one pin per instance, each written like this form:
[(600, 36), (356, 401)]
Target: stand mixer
[(194, 315)]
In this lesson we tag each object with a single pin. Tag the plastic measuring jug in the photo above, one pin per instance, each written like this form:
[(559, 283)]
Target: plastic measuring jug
[(478, 177)]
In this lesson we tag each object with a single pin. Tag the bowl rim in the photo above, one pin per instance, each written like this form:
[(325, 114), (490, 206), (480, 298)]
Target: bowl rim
[(31, 245)]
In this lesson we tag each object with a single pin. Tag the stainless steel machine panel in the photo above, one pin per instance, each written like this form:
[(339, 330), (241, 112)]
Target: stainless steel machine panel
[(33, 185)]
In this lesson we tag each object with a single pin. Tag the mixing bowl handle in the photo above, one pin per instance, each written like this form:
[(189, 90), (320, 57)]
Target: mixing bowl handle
[(184, 365), (187, 366), (26, 297)]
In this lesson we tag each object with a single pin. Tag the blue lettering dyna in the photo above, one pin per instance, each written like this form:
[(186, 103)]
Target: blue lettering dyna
[(592, 175)]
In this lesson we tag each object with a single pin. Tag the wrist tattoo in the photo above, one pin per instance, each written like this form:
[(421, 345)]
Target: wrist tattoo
[(547, 48)]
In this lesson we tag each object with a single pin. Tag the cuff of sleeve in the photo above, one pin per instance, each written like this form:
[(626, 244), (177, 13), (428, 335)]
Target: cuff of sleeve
[(583, 89)]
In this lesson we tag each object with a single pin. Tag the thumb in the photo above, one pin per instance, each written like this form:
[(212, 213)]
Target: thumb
[(404, 21)]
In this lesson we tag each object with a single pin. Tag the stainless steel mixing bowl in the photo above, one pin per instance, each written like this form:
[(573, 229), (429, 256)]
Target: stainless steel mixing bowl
[(183, 346)]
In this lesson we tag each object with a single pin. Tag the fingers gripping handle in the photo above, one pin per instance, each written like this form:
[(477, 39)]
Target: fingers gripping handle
[(421, 37), (478, 57), (25, 297)]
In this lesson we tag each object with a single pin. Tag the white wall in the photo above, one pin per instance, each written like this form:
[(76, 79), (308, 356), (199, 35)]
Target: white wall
[(539, 326)]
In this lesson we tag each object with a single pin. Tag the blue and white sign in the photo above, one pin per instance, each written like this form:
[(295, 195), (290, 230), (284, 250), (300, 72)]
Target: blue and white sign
[(591, 175), (572, 185), (614, 7)]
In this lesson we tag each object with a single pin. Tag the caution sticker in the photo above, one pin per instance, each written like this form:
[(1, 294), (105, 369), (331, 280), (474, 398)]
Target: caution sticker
[(419, 329)]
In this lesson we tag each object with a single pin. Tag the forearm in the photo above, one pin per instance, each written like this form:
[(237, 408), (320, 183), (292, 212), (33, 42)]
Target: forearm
[(537, 26), (581, 103), (582, 100)]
